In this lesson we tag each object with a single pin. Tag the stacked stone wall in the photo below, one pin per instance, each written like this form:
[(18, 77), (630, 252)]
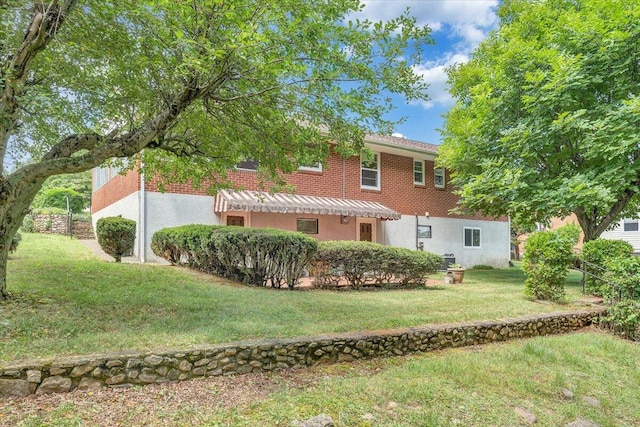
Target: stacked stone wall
[(139, 368), (59, 224)]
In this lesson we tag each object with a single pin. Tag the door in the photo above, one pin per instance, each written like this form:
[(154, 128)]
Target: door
[(235, 220), (366, 233)]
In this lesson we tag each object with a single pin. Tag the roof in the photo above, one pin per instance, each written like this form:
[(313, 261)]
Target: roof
[(260, 201), (402, 143)]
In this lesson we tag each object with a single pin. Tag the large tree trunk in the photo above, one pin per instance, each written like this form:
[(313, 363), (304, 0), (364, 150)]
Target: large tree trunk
[(15, 199)]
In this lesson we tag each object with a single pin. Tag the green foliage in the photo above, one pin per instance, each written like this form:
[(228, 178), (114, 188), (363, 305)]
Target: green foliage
[(257, 256), (15, 241), (547, 256), (363, 263), (27, 224), (546, 113), (601, 252), (183, 244), (483, 267), (56, 197), (79, 183), (116, 236)]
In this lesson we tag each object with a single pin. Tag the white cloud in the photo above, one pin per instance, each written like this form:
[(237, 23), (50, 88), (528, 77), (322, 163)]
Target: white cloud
[(470, 20), (434, 73), (462, 23)]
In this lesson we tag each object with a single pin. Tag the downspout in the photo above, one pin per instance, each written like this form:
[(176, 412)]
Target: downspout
[(142, 243), (344, 178), (417, 243)]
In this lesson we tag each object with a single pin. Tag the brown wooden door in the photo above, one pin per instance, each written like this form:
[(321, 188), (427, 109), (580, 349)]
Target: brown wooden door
[(235, 220), (365, 232)]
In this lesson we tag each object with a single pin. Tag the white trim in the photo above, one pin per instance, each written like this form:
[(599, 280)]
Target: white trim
[(376, 156), (421, 162), (311, 168), (464, 239)]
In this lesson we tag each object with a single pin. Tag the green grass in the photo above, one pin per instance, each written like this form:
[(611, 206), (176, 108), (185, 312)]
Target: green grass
[(478, 386), (66, 301)]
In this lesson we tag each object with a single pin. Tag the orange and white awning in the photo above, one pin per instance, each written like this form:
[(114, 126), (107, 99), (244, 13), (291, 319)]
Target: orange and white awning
[(259, 201)]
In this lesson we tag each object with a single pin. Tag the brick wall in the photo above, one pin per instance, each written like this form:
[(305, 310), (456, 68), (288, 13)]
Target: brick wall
[(118, 187), (340, 178)]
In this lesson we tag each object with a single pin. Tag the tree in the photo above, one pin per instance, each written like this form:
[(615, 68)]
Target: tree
[(546, 117), (77, 182), (197, 84)]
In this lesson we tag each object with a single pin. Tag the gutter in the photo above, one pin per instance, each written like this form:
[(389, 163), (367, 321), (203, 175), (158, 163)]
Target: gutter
[(142, 242)]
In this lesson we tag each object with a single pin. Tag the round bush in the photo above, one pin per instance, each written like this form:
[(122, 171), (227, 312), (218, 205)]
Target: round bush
[(116, 236)]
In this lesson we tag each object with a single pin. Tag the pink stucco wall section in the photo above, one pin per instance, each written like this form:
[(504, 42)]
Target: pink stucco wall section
[(329, 226)]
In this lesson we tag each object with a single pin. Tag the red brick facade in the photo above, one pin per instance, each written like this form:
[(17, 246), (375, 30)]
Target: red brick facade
[(340, 178)]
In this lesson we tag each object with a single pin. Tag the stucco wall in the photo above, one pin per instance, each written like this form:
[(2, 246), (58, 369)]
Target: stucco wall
[(448, 238), (329, 226), (128, 207)]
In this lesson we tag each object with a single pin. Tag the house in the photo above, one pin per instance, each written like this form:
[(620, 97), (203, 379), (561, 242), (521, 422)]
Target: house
[(626, 229), (397, 198)]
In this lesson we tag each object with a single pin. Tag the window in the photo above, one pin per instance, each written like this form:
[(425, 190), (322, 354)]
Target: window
[(418, 172), (438, 178), (100, 177), (370, 172), (307, 225), (471, 237), (630, 225), (249, 164), (312, 167), (424, 231)]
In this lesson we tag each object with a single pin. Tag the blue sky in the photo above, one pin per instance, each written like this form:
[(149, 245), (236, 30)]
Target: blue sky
[(458, 26)]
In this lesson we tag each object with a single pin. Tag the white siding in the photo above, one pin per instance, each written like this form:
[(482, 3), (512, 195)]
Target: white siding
[(618, 233)]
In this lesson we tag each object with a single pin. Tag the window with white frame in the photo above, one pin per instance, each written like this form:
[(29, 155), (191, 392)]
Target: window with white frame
[(418, 172), (312, 167), (370, 172), (630, 224), (439, 178), (472, 238)]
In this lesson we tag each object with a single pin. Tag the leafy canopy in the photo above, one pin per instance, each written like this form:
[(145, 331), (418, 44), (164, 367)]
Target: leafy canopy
[(546, 116)]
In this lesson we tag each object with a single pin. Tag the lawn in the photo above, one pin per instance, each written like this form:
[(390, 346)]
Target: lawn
[(66, 301), (479, 386)]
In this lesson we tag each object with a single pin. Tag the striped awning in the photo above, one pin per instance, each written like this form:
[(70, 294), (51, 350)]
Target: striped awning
[(259, 201)]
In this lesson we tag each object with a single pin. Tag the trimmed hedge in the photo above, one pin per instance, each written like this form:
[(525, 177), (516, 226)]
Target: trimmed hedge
[(363, 263), (182, 245), (116, 236), (601, 252), (255, 256)]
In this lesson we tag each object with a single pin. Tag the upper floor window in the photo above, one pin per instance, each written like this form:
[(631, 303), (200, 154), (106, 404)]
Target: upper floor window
[(249, 164), (100, 176), (312, 167), (472, 237), (418, 172), (630, 224), (370, 172), (439, 178)]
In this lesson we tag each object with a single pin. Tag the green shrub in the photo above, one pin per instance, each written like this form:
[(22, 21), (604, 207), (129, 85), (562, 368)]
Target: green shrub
[(48, 211), (252, 255), (260, 256), (116, 236), (623, 318), (363, 263), (57, 198), (28, 226), (482, 267), (15, 241), (183, 244), (547, 256), (601, 252), (623, 279)]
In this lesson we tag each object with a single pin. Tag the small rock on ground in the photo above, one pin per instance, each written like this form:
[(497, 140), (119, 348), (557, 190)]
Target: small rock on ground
[(582, 422), (322, 420), (567, 394), (528, 418), (591, 401)]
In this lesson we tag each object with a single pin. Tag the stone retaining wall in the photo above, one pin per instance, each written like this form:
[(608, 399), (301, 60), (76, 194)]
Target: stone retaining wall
[(59, 224), (138, 368)]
